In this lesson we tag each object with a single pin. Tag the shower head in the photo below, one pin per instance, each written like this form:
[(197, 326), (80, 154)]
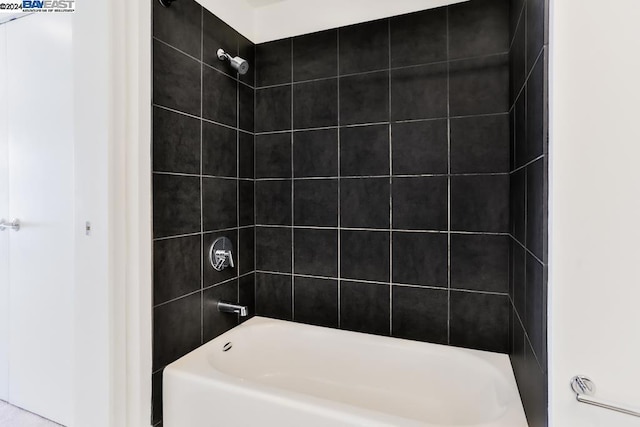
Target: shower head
[(166, 3), (239, 64)]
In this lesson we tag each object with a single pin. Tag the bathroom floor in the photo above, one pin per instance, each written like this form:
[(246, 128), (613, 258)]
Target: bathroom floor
[(12, 416)]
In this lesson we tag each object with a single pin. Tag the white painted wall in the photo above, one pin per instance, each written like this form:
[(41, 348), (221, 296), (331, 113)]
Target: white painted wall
[(594, 288), (4, 212), (290, 18), (237, 13)]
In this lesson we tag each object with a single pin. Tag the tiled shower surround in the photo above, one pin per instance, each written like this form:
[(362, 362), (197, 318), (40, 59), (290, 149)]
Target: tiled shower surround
[(202, 180), (382, 177), (529, 203), (382, 195)]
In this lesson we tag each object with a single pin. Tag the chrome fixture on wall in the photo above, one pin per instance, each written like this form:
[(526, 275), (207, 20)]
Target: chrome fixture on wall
[(239, 64), (166, 3), (220, 254), (226, 307), (585, 389)]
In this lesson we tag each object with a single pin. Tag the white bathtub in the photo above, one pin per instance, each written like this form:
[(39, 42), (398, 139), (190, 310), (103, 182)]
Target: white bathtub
[(277, 373)]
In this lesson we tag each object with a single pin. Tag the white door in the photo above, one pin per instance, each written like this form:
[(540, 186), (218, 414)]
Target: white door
[(39, 100)]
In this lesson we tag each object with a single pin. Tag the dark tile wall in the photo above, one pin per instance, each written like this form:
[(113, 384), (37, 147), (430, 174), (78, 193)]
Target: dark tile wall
[(382, 176), (529, 203), (203, 180)]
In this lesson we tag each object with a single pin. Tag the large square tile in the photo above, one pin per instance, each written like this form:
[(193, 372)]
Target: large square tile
[(480, 262), (273, 202), (364, 47), (364, 150), (176, 79), (273, 63), (364, 255), (478, 27), (420, 147), (176, 267), (364, 98), (479, 86), (419, 92), (315, 104), (273, 109), (419, 38), (315, 252), (315, 301), (219, 203), (315, 153), (480, 144), (420, 203), (420, 314), (364, 202), (420, 259), (273, 249), (274, 296), (219, 97), (179, 26), (315, 55), (176, 142), (219, 150), (273, 155), (176, 205), (479, 321), (480, 203), (364, 307), (182, 318), (316, 202)]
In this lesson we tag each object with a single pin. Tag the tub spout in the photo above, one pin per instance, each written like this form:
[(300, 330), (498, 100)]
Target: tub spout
[(225, 307)]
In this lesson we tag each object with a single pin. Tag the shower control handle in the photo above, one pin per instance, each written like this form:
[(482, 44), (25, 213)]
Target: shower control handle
[(13, 225), (222, 259), (221, 254)]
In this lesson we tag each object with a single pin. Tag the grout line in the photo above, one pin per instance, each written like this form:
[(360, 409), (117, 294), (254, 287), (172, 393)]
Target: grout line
[(355, 125), (238, 252), (529, 163), (204, 119), (527, 340), (390, 185), (224, 282), (293, 296), (448, 186), (311, 178), (339, 215), (375, 282), (195, 175), (221, 230), (528, 76), (381, 230), (255, 232), (201, 178), (190, 294), (177, 236), (382, 70), (518, 22)]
